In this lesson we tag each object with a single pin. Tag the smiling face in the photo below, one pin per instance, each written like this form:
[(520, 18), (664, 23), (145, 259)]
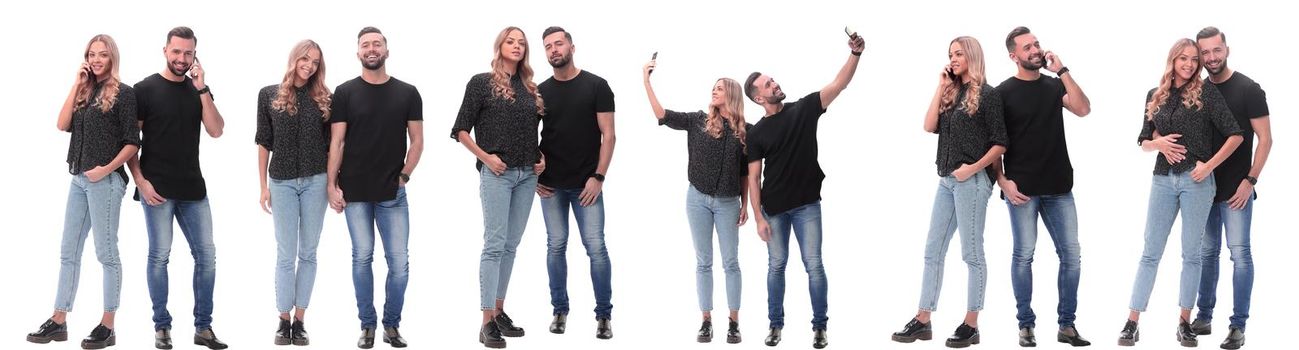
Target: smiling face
[(307, 65), (100, 59), (1028, 52), (767, 91), (514, 48), (719, 95), (1186, 65), (372, 50), (180, 55), (559, 51), (1213, 53), (956, 58)]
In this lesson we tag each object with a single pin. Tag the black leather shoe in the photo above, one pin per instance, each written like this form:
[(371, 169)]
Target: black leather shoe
[(1130, 334), (773, 337), (48, 332), (490, 336), (367, 338), (392, 337), (1235, 339), (705, 334), (1069, 335), (913, 331), (298, 334), (559, 324), (284, 334), (1185, 335), (963, 337), (1202, 327), (162, 339), (1026, 337), (209, 339), (507, 326), (733, 332), (819, 339), (101, 337), (603, 330)]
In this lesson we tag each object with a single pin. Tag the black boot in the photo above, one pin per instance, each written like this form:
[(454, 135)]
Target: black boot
[(507, 326), (1185, 335), (209, 339), (963, 337), (392, 337), (1069, 335), (490, 336), (705, 334), (913, 331), (1202, 327), (1235, 339), (733, 332), (603, 330), (1130, 334), (559, 324), (284, 334), (299, 333), (366, 340), (773, 337), (101, 337), (162, 338), (48, 332), (1026, 337), (819, 339)]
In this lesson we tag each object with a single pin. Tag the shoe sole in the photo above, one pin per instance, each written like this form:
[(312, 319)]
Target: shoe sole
[(702, 339), (301, 342), (112, 340), (1061, 338), (772, 343), (963, 344), (282, 341), (557, 330), (165, 347), (491, 344), (47, 340), (733, 340), (511, 334), (1029, 345), (820, 346), (1133, 342), (387, 340), (201, 342), (905, 339), (1188, 343), (369, 346), (1234, 346)]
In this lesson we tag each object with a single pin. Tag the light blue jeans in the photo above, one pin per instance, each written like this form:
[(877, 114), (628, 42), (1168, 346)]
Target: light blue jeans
[(963, 206), (507, 201), (91, 206), (298, 208), (1170, 194), (393, 219), (705, 213)]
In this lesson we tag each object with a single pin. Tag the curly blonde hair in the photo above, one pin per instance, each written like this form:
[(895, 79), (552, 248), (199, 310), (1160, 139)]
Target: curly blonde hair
[(285, 100), (1190, 91), (973, 68), (501, 80), (108, 95)]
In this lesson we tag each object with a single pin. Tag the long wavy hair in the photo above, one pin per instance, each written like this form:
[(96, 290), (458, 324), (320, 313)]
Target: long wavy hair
[(501, 80), (973, 68), (730, 112), (1190, 91), (108, 94), (285, 98)]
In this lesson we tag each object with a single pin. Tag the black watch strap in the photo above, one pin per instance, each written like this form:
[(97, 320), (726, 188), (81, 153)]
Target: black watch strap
[(1253, 181), (598, 177)]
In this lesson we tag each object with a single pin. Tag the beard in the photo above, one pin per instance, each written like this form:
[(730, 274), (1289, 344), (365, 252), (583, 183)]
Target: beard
[(180, 73), (1029, 65), (378, 63), (777, 97), (1221, 67), (561, 61)]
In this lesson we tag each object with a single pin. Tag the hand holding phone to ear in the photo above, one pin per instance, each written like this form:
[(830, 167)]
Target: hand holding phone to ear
[(196, 74)]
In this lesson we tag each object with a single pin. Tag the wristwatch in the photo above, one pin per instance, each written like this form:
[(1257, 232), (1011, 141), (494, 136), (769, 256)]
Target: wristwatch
[(404, 177), (598, 177), (204, 90), (1252, 180)]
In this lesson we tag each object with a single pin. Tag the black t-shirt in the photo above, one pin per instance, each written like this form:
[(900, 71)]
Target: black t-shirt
[(1038, 161), (787, 140), (1246, 100), (374, 147), (570, 136), (172, 113)]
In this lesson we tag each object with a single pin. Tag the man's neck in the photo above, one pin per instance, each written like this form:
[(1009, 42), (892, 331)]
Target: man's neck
[(773, 108), (1028, 75), (1222, 76), (567, 72), (375, 76), (166, 74)]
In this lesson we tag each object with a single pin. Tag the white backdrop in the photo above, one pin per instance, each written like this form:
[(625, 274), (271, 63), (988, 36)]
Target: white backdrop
[(879, 163)]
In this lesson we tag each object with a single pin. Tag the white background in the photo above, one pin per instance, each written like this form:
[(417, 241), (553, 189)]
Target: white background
[(877, 195)]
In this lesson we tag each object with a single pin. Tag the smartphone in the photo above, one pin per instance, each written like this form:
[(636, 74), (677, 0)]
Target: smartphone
[(1046, 62), (89, 73), (653, 57), (850, 32), (952, 75)]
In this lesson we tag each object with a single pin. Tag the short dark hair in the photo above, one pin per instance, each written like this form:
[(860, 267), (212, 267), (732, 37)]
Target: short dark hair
[(1209, 32), (182, 32), (749, 88), (556, 29), (1015, 33), (368, 30)]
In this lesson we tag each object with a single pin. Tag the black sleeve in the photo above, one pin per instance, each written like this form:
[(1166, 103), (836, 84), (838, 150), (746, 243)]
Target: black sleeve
[(812, 105), (416, 108), (993, 117), (127, 121), (1147, 125), (680, 120), (1256, 102), (338, 105), (265, 133), (603, 97), (475, 92), (753, 145)]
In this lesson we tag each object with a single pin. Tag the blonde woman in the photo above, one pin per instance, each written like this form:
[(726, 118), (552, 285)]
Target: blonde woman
[(503, 109), (966, 113), (717, 195), (99, 113), (291, 119), (1181, 116)]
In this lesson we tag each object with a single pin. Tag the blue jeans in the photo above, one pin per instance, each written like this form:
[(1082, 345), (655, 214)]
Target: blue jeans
[(590, 224), (805, 222), (195, 220), (91, 205), (1061, 219), (723, 213), (507, 201), (1235, 223), (963, 206), (1168, 195), (393, 219), (298, 208)]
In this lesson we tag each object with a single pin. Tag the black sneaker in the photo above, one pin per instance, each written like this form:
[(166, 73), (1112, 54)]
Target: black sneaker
[(101, 337), (773, 337), (490, 336), (733, 332), (819, 339), (603, 330), (209, 339), (1235, 339), (963, 337), (507, 326), (392, 337), (162, 339), (705, 334), (1026, 337), (1069, 335), (366, 340), (913, 331), (1185, 335), (48, 332), (1130, 334), (559, 324), (1202, 327), (299, 333), (284, 334)]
